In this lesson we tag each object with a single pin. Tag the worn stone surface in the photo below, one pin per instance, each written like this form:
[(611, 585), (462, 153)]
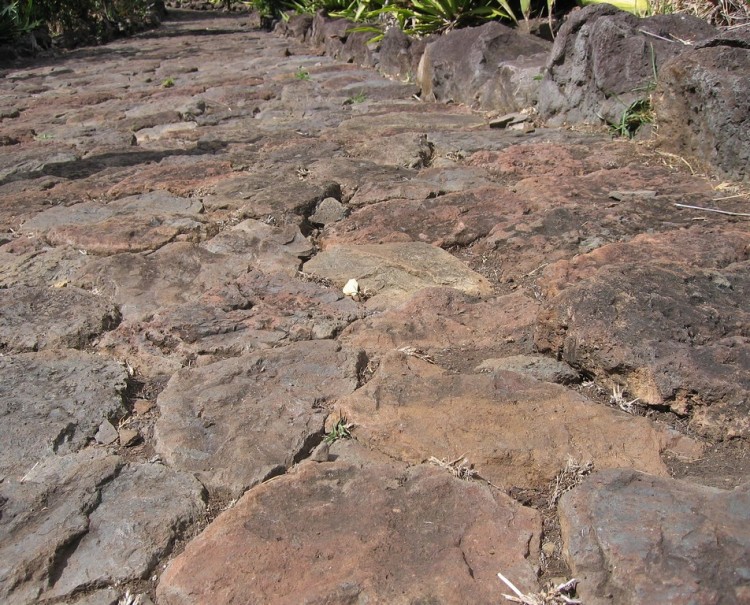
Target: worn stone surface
[(362, 528), (83, 520), (536, 366), (36, 318), (53, 402), (634, 538), (238, 422), (460, 329), (702, 104), (454, 219), (602, 61), (517, 432), (257, 311)]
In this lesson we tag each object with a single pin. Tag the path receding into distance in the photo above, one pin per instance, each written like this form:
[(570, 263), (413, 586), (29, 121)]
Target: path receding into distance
[(180, 212)]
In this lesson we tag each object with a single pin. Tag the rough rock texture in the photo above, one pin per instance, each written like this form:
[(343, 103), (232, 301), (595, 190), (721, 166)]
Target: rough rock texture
[(35, 318), (516, 431), (257, 311), (445, 321), (703, 104), (53, 402), (135, 523), (602, 61), (419, 536), (85, 519), (238, 422), (652, 329), (488, 67), (633, 538)]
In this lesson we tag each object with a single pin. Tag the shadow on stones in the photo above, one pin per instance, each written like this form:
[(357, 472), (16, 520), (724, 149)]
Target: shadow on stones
[(84, 168)]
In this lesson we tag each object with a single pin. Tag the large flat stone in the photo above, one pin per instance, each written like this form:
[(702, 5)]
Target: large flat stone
[(53, 403), (35, 318), (440, 320), (237, 422), (396, 271), (131, 224), (361, 529), (455, 219), (634, 538), (518, 432)]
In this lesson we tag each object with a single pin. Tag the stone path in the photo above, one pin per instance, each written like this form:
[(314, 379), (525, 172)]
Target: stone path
[(180, 212)]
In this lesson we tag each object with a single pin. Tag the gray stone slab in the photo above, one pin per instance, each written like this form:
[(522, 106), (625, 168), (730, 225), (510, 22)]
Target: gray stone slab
[(53, 403), (237, 422), (35, 318)]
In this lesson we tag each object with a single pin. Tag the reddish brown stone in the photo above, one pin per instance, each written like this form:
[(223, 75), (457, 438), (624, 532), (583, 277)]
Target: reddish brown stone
[(362, 528)]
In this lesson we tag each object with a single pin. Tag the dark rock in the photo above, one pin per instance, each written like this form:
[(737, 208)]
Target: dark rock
[(633, 538), (400, 54), (330, 34), (297, 26), (36, 318), (488, 67), (53, 403), (240, 421), (703, 105), (361, 529), (602, 61), (536, 366), (330, 210)]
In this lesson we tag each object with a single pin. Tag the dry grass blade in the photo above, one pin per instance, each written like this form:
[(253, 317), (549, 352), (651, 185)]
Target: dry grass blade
[(562, 594), (414, 352), (618, 398), (570, 476), (460, 467), (713, 209)]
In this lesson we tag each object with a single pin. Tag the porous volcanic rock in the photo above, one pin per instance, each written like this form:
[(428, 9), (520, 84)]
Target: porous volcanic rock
[(516, 431), (36, 318), (602, 61), (490, 67), (361, 529), (702, 104), (238, 422), (634, 538)]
